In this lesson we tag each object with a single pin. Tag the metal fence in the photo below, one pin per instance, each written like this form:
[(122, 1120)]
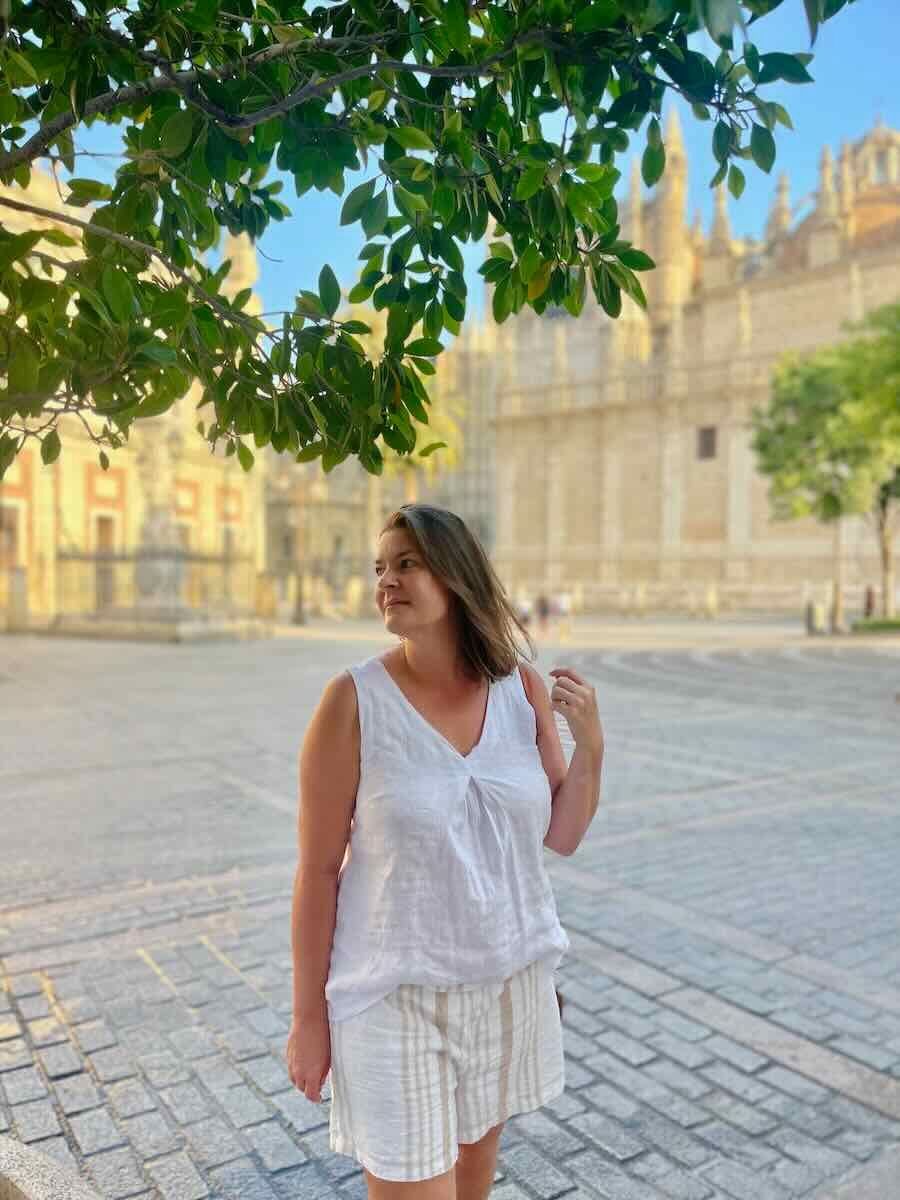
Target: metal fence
[(161, 583)]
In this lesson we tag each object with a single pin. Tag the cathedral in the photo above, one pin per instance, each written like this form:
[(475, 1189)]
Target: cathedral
[(621, 449)]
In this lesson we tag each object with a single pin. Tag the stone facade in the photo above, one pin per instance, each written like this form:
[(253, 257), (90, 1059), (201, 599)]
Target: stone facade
[(623, 456)]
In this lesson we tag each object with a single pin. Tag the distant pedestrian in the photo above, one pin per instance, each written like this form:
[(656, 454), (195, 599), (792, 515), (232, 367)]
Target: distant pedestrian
[(869, 602), (542, 607)]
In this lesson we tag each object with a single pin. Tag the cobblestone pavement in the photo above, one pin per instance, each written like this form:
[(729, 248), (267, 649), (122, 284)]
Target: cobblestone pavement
[(732, 1018)]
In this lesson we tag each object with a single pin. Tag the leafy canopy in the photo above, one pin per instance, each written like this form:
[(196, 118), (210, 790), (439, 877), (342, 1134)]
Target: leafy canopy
[(448, 97)]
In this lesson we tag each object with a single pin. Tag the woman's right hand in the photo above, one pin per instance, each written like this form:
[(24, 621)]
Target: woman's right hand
[(309, 1056)]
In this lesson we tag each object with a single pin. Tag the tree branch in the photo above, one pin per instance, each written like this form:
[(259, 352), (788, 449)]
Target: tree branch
[(223, 310), (186, 83)]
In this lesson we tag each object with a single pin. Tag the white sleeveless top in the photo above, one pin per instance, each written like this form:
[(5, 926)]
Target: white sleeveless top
[(445, 881)]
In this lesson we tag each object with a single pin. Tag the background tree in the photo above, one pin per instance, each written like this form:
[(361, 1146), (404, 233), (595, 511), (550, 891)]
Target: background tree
[(829, 439), (210, 94)]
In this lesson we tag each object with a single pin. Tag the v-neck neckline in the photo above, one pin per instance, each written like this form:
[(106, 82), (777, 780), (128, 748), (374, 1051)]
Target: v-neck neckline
[(428, 725)]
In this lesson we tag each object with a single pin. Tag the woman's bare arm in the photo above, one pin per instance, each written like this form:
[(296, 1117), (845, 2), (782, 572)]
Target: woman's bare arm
[(329, 777)]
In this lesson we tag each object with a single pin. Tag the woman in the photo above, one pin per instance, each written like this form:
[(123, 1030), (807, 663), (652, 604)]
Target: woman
[(424, 929)]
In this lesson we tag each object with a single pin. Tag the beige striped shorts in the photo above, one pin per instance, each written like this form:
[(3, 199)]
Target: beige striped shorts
[(424, 1069)]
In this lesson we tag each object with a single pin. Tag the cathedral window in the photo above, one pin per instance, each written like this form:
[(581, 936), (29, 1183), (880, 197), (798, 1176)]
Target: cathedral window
[(706, 442), (9, 535)]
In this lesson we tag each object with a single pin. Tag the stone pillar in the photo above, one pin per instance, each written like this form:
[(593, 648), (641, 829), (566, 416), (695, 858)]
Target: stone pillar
[(611, 482), (671, 493), (554, 509), (740, 482)]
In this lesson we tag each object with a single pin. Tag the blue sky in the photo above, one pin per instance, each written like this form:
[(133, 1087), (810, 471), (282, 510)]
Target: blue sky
[(855, 73)]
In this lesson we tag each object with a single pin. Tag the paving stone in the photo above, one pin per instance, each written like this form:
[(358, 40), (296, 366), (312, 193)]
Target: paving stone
[(540, 1174), (611, 1182), (193, 1041), (130, 1098), (798, 1178), (873, 1056), (242, 1106), (19, 1086), (302, 1114), (671, 1180), (112, 1064), (610, 1100), (34, 1120), (683, 1027), (117, 1173), (240, 1180), (10, 1027), (746, 1087), (14, 1055), (625, 1047), (275, 1148), (853, 1141), (817, 1122), (743, 1184), (163, 1070), (95, 1130), (268, 1073), (668, 1137), (689, 1054), (60, 1060), (95, 1035), (792, 1083), (58, 1149), (217, 1074), (859, 1117), (150, 1135), (186, 1103), (749, 1119), (796, 1145), (673, 1076), (177, 1178), (735, 1054), (738, 1146), (608, 1134), (213, 1142), (549, 1136)]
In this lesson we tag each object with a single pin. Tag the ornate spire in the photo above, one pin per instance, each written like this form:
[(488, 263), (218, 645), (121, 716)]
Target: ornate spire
[(846, 178), (780, 214), (720, 236), (674, 138), (826, 200), (634, 205)]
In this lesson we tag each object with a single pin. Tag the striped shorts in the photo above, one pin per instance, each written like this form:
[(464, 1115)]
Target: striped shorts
[(424, 1069)]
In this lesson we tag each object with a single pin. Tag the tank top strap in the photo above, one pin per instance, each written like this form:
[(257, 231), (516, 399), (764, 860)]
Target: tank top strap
[(514, 712), (381, 720)]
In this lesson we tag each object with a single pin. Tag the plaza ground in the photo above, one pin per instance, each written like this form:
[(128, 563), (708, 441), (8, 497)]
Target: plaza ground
[(732, 1022)]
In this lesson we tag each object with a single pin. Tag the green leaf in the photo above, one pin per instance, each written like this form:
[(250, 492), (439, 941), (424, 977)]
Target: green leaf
[(636, 259), (653, 163), (245, 456), (176, 134), (456, 24), (411, 138), (117, 292), (410, 200), (599, 15), (529, 262), (736, 181), (430, 449), (329, 290), (50, 447), (530, 182), (722, 140), (762, 146), (356, 201), (425, 346), (375, 214), (24, 367), (783, 66)]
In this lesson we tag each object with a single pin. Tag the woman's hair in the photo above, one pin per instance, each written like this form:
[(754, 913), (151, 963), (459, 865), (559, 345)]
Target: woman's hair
[(487, 621)]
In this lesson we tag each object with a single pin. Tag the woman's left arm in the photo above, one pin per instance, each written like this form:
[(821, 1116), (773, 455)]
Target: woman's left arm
[(575, 789)]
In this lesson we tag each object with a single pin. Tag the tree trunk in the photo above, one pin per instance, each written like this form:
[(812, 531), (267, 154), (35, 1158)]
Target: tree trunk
[(837, 596), (887, 570)]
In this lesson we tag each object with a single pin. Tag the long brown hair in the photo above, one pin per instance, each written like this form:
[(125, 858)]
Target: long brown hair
[(487, 621)]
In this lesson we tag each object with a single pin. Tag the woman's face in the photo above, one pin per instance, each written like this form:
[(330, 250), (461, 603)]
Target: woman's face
[(408, 594)]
